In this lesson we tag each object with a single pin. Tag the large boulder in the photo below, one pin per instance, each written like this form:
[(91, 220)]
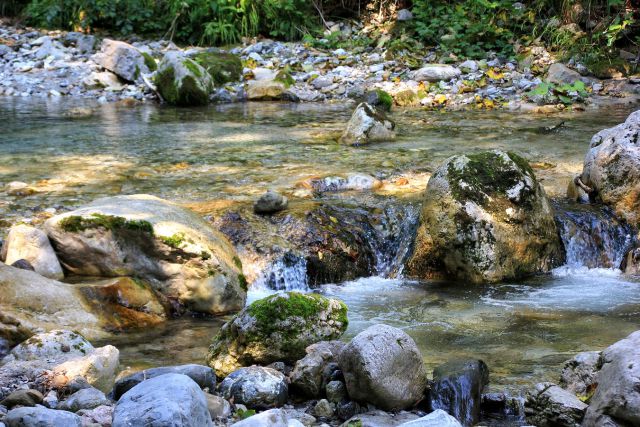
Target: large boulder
[(39, 416), (457, 389), (166, 400), (561, 74), (383, 366), (122, 59), (616, 401), (171, 248), (311, 374), (202, 375), (551, 406), (485, 218), (367, 124), (223, 67), (182, 81), (256, 387), (436, 73), (32, 245), (276, 328), (612, 168)]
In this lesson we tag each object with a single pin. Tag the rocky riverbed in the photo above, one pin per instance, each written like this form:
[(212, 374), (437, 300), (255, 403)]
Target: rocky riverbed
[(54, 64)]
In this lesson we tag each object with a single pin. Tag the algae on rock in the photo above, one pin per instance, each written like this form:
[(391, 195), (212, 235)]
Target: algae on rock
[(183, 82)]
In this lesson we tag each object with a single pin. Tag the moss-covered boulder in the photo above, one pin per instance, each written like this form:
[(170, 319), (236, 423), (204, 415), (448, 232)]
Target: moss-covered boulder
[(367, 124), (169, 247), (276, 328), (612, 168), (182, 81), (485, 218), (223, 67)]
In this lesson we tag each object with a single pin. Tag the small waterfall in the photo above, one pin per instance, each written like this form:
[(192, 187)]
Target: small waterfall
[(592, 236), (392, 239), (285, 274)]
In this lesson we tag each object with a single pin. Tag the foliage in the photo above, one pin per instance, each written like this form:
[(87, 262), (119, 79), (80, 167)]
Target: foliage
[(550, 93)]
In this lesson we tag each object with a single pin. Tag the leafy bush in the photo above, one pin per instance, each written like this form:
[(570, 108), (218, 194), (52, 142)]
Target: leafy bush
[(550, 93)]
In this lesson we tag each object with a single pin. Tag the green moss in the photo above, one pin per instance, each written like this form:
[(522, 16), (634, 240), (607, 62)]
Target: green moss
[(165, 82), (74, 224), (406, 98), (486, 174), (149, 61), (285, 78), (237, 262), (223, 67), (243, 282), (192, 67), (386, 101), (205, 255), (175, 241), (187, 93)]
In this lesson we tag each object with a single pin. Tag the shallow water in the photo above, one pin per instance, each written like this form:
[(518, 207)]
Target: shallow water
[(524, 331)]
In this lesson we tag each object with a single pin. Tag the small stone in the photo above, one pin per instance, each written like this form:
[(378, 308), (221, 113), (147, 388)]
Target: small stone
[(404, 15), (22, 398), (270, 202), (87, 398), (51, 400), (336, 391), (219, 408), (323, 409)]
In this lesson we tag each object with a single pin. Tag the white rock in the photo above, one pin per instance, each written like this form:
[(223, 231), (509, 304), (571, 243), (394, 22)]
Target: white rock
[(436, 72), (32, 245)]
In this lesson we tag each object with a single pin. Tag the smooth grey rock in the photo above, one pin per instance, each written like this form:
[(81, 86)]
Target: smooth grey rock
[(87, 398), (170, 400), (51, 400), (551, 406), (22, 398), (437, 418), (457, 389), (323, 409), (383, 366), (336, 391), (102, 416), (469, 66), (561, 74), (270, 202), (436, 73), (367, 124), (39, 416), (579, 374), (202, 375), (28, 243), (321, 82), (219, 408), (308, 376), (404, 15), (616, 401), (256, 387), (122, 59), (270, 418), (176, 251)]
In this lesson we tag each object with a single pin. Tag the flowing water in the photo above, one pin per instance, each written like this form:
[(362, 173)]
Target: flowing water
[(523, 331)]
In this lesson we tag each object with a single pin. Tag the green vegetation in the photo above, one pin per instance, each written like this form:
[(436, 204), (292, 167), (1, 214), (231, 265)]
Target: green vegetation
[(223, 67), (175, 241), (74, 224), (149, 61), (550, 93), (386, 101)]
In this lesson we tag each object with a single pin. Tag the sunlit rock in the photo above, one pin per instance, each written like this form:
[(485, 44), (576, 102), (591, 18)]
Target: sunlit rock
[(485, 218), (549, 405), (311, 374), (122, 59), (366, 125), (580, 374), (99, 368), (383, 366), (171, 248), (255, 387), (436, 72), (276, 328), (182, 81), (202, 375), (32, 245), (41, 416), (561, 74), (612, 168)]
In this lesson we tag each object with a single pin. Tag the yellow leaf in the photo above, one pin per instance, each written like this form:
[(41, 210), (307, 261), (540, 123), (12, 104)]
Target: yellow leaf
[(334, 220), (440, 99), (494, 74)]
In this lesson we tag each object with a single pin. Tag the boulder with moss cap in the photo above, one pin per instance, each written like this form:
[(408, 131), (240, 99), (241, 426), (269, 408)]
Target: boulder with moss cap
[(174, 250), (276, 328), (182, 81), (223, 67), (485, 218)]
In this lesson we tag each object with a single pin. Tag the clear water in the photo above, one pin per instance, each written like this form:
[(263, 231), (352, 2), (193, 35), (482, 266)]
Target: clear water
[(209, 156)]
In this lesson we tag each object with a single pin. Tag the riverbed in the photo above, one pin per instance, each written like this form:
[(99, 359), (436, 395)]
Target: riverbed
[(70, 153)]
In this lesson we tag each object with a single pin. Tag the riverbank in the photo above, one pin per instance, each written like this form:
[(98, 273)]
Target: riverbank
[(38, 63)]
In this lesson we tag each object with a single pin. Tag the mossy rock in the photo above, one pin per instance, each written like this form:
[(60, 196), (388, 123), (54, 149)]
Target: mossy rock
[(485, 218), (276, 328), (406, 98), (183, 82), (223, 67)]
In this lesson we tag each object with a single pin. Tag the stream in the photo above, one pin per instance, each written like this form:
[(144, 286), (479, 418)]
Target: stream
[(524, 330)]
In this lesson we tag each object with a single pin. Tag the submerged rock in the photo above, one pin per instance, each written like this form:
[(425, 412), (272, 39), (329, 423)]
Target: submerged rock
[(32, 245), (270, 202), (166, 400), (276, 328), (255, 387), (616, 401), (457, 389), (383, 366), (122, 59), (202, 375), (612, 168), (367, 125), (181, 81), (485, 218), (171, 248), (552, 406)]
